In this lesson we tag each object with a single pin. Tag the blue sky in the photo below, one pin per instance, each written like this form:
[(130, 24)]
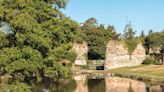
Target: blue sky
[(144, 14)]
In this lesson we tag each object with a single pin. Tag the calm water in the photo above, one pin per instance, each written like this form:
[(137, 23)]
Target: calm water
[(108, 84)]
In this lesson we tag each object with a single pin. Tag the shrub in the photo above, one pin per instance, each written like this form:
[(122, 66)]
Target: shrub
[(150, 60), (70, 55), (79, 40), (85, 67), (131, 45)]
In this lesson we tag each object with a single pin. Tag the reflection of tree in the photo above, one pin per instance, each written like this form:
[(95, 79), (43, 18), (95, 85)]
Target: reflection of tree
[(130, 88), (162, 88), (96, 85), (67, 85)]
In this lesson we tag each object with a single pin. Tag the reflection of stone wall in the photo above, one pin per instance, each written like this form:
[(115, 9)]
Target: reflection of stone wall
[(81, 82), (155, 88), (115, 84), (81, 50), (117, 55)]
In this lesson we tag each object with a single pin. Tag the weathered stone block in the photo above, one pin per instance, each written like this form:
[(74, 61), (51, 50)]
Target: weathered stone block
[(117, 55), (81, 50)]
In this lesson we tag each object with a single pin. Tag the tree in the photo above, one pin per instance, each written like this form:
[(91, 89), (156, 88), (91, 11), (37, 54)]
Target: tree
[(154, 40), (3, 40), (39, 31), (150, 31), (142, 34), (94, 37), (147, 44), (57, 3), (110, 32), (129, 32), (97, 37), (90, 22)]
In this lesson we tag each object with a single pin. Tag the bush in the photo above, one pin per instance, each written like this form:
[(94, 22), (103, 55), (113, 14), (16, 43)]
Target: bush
[(70, 55), (150, 60), (85, 67), (131, 45), (79, 40)]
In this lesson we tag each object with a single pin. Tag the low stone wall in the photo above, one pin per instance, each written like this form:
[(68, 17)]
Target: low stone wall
[(81, 50), (117, 55)]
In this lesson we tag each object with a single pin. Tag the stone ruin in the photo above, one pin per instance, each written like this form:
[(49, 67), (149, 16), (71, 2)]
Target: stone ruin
[(116, 55), (81, 50)]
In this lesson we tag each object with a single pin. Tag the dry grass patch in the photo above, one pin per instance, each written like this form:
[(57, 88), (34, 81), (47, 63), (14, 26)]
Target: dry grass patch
[(148, 71)]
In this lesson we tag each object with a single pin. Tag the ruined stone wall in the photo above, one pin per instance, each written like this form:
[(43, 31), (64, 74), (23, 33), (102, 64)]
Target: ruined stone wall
[(81, 50), (118, 56)]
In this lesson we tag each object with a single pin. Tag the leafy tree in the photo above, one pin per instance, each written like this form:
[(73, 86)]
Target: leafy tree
[(147, 44), (97, 37), (142, 34), (3, 40), (110, 32), (94, 38), (129, 32), (150, 31), (154, 40), (41, 36), (90, 22), (129, 38), (57, 3)]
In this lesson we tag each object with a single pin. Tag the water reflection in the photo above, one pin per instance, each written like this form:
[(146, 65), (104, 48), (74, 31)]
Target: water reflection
[(115, 84), (155, 88), (96, 85), (47, 85), (82, 84)]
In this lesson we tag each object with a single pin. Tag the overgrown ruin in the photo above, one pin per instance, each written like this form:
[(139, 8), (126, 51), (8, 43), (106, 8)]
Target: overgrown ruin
[(116, 55), (81, 49)]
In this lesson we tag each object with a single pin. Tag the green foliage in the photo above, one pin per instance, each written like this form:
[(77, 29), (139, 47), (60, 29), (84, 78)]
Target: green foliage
[(131, 45), (56, 71), (16, 87), (154, 40), (58, 3), (40, 38), (129, 38), (63, 52), (70, 55), (85, 67), (3, 40), (96, 37), (129, 32), (147, 44), (21, 62), (20, 87), (150, 60), (79, 40)]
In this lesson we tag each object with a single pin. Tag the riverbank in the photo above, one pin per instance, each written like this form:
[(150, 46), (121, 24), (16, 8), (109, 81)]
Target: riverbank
[(153, 73), (150, 73)]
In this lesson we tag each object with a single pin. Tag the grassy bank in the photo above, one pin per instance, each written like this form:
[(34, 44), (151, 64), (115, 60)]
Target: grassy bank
[(147, 72)]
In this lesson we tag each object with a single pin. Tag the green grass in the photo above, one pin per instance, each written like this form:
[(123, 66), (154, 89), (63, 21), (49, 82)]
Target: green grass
[(155, 72)]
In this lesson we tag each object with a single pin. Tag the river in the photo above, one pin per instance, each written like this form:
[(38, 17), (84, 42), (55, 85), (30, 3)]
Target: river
[(108, 84)]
